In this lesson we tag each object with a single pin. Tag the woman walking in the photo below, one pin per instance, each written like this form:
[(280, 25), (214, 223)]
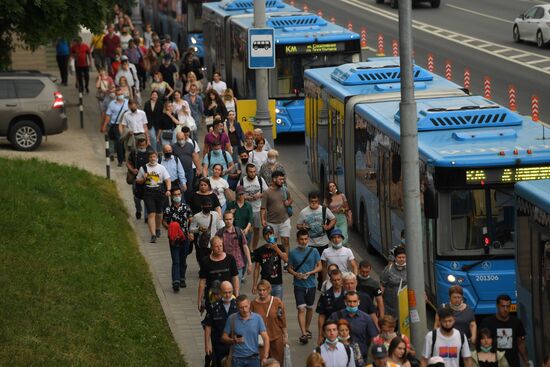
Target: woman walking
[(336, 201)]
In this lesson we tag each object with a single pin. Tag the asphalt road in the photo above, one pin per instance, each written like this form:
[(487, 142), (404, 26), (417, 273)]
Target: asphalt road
[(470, 34)]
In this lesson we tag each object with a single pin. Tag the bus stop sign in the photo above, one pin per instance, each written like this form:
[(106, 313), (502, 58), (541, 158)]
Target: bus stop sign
[(261, 48)]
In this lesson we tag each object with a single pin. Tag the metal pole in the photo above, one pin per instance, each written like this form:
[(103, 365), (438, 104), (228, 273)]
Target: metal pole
[(81, 109), (411, 180), (136, 15), (262, 119), (107, 157)]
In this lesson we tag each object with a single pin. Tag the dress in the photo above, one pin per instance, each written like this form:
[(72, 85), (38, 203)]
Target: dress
[(390, 279), (338, 206)]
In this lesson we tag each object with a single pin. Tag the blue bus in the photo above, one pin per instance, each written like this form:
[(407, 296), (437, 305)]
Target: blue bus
[(329, 89), (533, 265), (302, 41), (472, 151)]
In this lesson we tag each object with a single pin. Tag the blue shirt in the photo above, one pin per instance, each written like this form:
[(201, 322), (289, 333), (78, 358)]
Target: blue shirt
[(62, 47), (211, 159), (116, 110), (175, 169), (362, 328), (249, 330), (296, 257)]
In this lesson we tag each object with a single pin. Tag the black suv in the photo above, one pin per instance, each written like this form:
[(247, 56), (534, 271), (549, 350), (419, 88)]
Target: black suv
[(31, 107)]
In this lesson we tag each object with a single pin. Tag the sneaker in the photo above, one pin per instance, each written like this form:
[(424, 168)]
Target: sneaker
[(138, 215), (183, 284), (157, 233), (112, 157), (153, 239), (176, 287), (303, 339)]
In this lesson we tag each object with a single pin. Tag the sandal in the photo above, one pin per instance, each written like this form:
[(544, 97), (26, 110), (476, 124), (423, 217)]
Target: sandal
[(303, 339), (309, 335)]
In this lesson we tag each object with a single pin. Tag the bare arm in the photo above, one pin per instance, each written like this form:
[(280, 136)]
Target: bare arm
[(263, 214), (473, 331), (354, 267), (207, 340), (320, 321), (281, 254), (380, 305), (255, 275), (236, 285), (202, 287), (197, 161), (522, 351), (468, 362), (265, 337)]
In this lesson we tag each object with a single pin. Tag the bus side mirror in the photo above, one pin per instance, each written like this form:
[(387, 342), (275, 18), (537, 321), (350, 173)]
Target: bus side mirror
[(430, 204)]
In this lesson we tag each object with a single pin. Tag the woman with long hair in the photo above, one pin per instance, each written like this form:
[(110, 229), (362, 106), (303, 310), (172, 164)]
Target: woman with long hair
[(205, 191), (220, 186), (163, 88), (192, 79), (336, 201), (272, 310), (168, 123), (344, 336), (235, 133), (213, 105), (486, 354), (153, 110), (229, 100), (258, 156), (397, 352), (125, 88)]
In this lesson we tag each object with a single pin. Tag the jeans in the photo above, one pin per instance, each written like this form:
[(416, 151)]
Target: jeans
[(252, 361), (277, 290), (241, 271), (190, 178), (153, 138), (179, 261)]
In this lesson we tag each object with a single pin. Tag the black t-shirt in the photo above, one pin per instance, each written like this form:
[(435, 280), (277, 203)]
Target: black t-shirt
[(166, 123), (221, 270), (270, 264), (365, 303), (168, 73), (196, 200), (328, 303), (369, 286), (505, 336)]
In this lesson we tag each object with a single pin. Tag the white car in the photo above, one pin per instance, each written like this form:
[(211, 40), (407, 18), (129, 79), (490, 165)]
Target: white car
[(533, 25)]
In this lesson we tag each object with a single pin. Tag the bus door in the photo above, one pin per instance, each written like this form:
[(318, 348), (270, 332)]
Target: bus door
[(332, 148), (340, 178), (312, 115), (540, 246), (384, 169)]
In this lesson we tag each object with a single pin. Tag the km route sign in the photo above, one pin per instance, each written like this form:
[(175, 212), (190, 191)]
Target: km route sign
[(261, 48)]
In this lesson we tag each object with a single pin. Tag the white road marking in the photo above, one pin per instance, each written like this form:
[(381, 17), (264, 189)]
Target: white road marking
[(480, 14), (474, 43)]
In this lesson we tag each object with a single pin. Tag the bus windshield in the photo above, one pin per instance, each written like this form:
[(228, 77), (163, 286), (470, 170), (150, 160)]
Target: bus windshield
[(287, 79), (478, 216)]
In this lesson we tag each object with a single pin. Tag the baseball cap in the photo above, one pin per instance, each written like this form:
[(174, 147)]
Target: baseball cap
[(379, 351), (124, 58), (241, 190), (268, 229), (436, 362)]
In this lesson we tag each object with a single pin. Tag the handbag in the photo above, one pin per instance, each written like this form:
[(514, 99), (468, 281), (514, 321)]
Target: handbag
[(167, 134), (226, 361), (289, 209), (130, 177), (287, 358), (260, 339)]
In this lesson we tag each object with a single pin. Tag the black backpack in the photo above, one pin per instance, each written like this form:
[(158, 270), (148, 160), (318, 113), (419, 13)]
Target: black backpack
[(434, 338), (241, 183), (346, 347)]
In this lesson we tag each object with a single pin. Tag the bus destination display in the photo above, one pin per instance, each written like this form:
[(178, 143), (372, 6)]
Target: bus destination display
[(507, 175)]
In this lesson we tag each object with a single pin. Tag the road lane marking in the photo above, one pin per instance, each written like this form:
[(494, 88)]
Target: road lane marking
[(480, 14), (467, 41)]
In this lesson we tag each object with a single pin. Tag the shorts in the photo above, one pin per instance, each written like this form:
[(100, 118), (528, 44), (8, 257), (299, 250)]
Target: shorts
[(281, 229), (256, 221), (154, 201), (305, 297)]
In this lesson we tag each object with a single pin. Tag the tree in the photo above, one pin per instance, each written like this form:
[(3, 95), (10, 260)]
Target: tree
[(39, 22)]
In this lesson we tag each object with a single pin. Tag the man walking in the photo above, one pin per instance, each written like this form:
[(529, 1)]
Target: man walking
[(268, 263), (82, 56), (62, 57), (133, 126), (254, 186), (187, 150), (174, 168), (136, 160), (303, 263), (111, 42), (274, 213), (365, 301), (241, 331), (330, 301), (366, 284), (217, 314), (446, 342), (113, 115), (334, 353)]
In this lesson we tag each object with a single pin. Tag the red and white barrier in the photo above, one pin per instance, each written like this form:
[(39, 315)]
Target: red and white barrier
[(487, 87), (535, 108), (380, 47), (467, 78), (332, 20), (448, 70), (512, 97), (394, 48), (431, 63), (363, 37), (350, 26)]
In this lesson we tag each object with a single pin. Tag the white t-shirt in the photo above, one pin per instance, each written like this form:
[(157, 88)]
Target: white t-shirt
[(156, 175), (219, 87), (314, 219), (135, 121), (203, 220), (257, 158), (218, 187), (340, 257), (447, 348), (252, 188)]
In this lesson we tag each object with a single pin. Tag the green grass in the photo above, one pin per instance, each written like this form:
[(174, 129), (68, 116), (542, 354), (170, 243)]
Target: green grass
[(74, 289)]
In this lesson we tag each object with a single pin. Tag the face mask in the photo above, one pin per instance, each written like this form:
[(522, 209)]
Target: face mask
[(352, 309), (112, 95), (302, 246), (206, 210), (120, 97), (181, 142), (336, 246), (455, 307), (153, 161), (388, 336), (362, 277), (343, 338), (271, 160), (272, 239), (157, 80), (447, 330), (142, 150), (331, 342), (485, 349), (177, 199), (217, 152), (244, 160), (167, 155), (402, 241), (400, 267)]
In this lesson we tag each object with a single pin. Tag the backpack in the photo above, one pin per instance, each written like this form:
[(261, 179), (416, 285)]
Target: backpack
[(434, 338), (346, 347), (224, 153), (204, 237), (241, 183)]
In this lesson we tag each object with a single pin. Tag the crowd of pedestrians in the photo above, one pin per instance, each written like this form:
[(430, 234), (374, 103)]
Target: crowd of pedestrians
[(208, 186)]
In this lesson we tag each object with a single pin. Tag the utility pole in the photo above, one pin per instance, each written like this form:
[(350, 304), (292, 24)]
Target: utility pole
[(262, 119), (411, 180), (136, 15)]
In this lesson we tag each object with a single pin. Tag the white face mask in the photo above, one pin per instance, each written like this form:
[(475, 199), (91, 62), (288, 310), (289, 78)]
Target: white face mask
[(271, 160)]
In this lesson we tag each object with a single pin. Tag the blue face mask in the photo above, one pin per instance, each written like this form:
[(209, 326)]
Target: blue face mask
[(352, 309), (272, 239)]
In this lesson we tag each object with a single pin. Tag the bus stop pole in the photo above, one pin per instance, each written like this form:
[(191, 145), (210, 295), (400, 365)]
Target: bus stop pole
[(262, 119), (411, 181)]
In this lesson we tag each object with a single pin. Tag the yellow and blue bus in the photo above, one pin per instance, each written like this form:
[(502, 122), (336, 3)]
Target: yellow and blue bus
[(302, 41), (533, 265), (472, 151)]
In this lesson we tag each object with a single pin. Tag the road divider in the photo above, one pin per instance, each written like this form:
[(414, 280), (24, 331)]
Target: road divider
[(394, 48), (380, 43), (512, 97), (448, 70), (487, 87), (467, 78), (535, 108)]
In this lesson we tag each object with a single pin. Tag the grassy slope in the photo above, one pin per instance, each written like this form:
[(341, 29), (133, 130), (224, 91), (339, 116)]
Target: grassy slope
[(74, 289)]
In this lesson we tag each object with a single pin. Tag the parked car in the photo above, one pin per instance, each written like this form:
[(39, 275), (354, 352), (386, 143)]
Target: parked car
[(533, 26), (31, 107)]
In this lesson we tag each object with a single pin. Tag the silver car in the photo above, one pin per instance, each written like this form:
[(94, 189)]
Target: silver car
[(31, 107), (533, 25)]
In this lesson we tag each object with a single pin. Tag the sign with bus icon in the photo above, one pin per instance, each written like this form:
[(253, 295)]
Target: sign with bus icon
[(261, 50)]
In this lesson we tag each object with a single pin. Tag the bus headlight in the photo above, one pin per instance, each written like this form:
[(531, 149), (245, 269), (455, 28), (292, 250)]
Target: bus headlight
[(277, 110), (193, 40), (451, 278), (279, 121)]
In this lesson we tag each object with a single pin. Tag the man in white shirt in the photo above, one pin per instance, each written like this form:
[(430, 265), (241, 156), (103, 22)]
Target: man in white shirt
[(135, 121), (217, 84), (334, 353), (338, 254), (447, 342), (254, 187), (202, 223), (129, 71)]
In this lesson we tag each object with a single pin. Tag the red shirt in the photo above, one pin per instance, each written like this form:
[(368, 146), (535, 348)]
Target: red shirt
[(81, 53), (110, 45)]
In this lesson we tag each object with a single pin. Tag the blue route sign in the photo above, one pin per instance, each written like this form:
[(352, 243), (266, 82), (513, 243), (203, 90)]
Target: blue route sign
[(261, 48)]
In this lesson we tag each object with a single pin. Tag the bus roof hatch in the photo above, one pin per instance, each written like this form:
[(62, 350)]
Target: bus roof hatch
[(375, 73)]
